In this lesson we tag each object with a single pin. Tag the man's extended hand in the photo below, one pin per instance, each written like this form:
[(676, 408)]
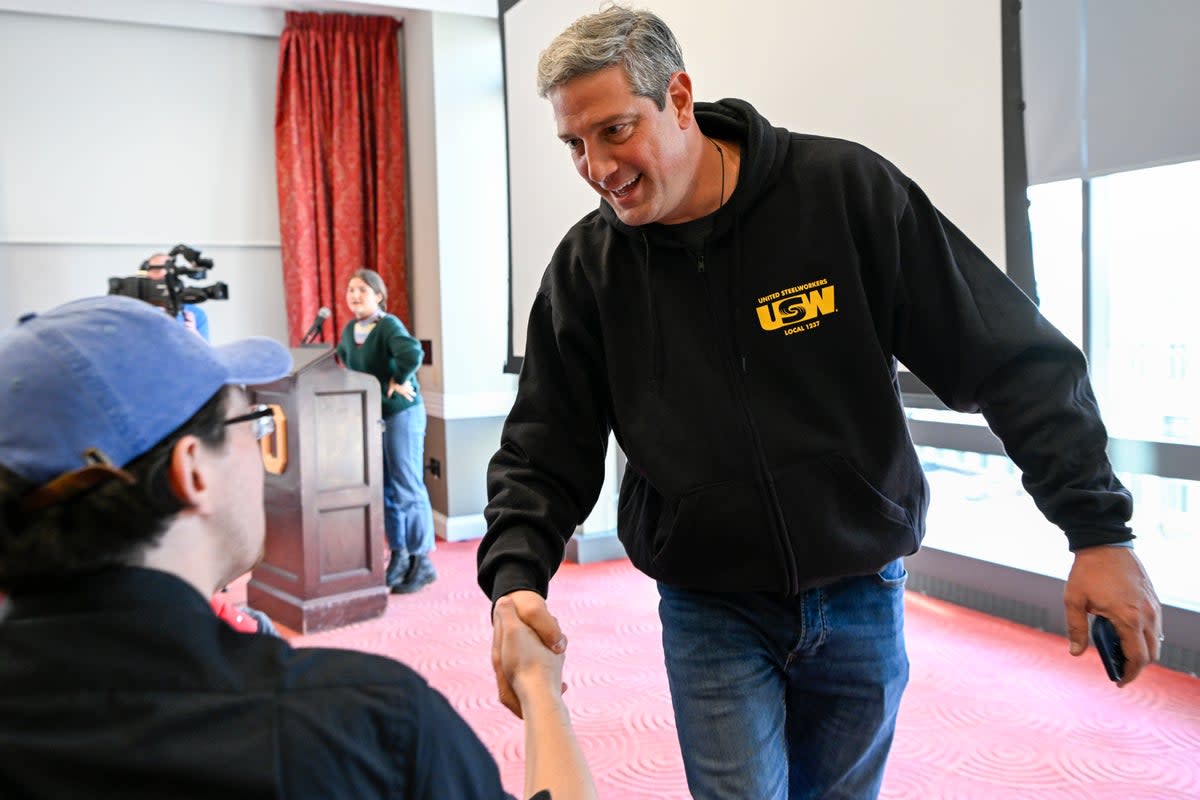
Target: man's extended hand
[(1111, 582), (532, 670), (530, 608)]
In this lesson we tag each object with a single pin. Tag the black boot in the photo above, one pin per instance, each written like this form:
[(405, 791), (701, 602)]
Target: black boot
[(398, 566), (420, 575)]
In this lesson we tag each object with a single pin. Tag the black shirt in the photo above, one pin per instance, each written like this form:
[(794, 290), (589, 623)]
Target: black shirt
[(125, 682)]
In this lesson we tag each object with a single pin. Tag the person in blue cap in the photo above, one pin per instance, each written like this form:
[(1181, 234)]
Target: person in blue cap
[(131, 490)]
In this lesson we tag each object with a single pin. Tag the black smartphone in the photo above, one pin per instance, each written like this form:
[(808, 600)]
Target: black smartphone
[(1109, 646)]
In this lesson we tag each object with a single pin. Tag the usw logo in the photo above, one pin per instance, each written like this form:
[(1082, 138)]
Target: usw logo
[(795, 305)]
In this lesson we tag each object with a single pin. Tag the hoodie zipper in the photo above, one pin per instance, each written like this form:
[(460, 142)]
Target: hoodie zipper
[(760, 458)]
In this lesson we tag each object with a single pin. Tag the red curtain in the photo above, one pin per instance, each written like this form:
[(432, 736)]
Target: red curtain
[(339, 159)]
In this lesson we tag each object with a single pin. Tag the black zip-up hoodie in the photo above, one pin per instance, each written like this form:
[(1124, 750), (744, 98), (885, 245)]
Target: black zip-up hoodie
[(752, 382)]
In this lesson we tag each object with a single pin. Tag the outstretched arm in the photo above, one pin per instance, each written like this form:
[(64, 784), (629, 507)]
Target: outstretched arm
[(1031, 384), (533, 675)]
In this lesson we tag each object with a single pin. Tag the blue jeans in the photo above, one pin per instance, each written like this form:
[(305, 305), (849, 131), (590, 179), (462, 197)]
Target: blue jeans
[(787, 697), (407, 514)]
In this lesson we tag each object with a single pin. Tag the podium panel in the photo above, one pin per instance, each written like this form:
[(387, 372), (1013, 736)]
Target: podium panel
[(323, 562), (341, 439), (344, 542)]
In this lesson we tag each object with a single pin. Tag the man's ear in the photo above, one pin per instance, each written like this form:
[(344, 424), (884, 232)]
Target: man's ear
[(187, 473), (679, 98)]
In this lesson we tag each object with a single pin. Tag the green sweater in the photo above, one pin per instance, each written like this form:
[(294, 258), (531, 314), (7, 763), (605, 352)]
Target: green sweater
[(389, 351)]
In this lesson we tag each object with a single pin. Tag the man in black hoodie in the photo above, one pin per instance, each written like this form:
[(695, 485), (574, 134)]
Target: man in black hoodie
[(734, 312)]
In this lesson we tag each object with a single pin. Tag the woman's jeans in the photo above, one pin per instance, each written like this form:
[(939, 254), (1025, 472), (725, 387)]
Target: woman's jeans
[(787, 697), (407, 514)]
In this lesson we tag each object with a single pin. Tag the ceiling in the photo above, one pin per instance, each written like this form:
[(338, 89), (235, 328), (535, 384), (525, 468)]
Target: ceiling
[(486, 8), (168, 11)]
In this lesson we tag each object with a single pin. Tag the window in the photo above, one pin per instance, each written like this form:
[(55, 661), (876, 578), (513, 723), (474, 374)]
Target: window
[(979, 509), (1142, 336), (1056, 228), (1145, 255)]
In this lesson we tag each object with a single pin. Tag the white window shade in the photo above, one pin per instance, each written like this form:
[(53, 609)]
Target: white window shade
[(1142, 66), (1109, 86), (1052, 71)]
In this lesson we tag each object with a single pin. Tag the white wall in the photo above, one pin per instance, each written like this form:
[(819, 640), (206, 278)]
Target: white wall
[(459, 246), (472, 191), (423, 236), (120, 139), (459, 235)]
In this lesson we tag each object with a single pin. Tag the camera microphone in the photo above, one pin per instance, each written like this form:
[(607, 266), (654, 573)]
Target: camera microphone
[(315, 329)]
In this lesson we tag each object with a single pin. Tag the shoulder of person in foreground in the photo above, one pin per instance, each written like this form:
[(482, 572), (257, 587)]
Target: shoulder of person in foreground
[(339, 707)]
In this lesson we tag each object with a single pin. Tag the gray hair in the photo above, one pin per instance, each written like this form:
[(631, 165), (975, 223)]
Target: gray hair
[(636, 39)]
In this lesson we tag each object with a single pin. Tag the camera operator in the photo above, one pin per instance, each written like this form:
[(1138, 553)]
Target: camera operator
[(192, 316)]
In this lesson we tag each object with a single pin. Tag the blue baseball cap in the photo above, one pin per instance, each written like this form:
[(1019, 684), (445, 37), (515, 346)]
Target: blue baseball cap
[(111, 375)]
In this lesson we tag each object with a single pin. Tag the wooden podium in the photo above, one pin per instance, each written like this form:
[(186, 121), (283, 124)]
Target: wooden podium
[(323, 564)]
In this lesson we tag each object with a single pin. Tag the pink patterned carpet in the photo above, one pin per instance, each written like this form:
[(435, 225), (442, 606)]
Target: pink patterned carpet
[(993, 710)]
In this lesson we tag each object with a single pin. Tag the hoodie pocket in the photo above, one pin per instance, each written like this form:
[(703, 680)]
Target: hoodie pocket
[(716, 537), (726, 536), (838, 523)]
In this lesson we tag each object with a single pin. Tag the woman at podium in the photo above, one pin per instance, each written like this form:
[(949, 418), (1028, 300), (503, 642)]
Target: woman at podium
[(377, 343)]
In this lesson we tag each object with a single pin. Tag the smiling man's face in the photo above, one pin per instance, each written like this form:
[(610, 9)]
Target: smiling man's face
[(635, 156)]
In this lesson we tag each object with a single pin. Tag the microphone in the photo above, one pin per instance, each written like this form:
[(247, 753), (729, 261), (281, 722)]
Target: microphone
[(315, 329)]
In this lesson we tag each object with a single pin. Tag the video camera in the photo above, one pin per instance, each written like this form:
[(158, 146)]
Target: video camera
[(169, 292)]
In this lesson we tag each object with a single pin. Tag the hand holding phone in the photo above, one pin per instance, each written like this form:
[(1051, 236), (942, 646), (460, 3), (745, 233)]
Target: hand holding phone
[(1109, 646)]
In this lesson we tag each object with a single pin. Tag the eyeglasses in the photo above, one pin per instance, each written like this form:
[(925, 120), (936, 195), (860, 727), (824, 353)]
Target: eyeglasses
[(263, 417)]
